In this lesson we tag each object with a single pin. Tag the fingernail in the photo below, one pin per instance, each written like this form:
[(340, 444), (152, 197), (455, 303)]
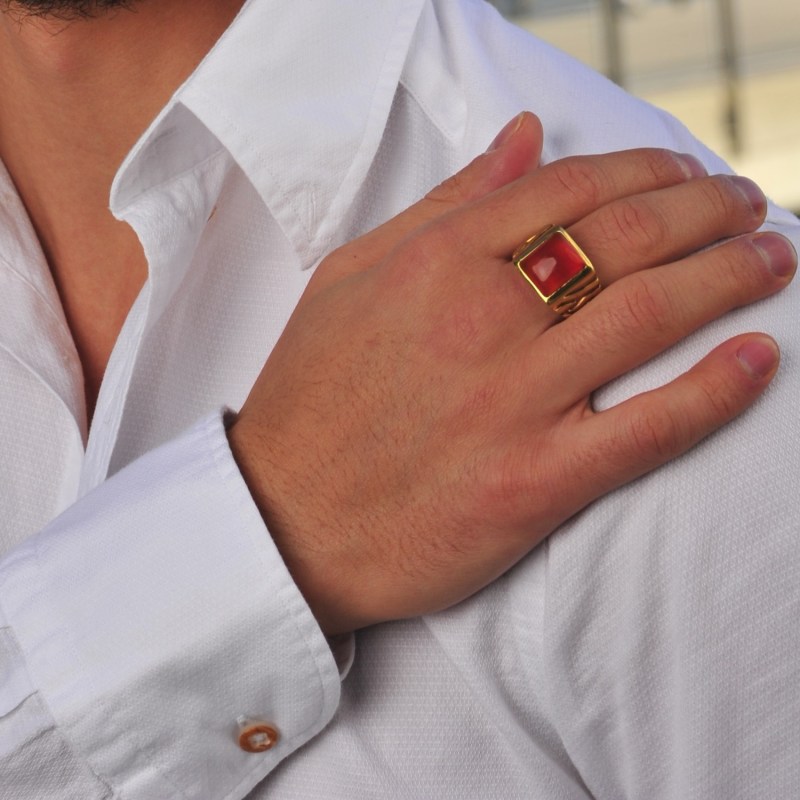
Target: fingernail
[(758, 357), (508, 131), (778, 253), (691, 165), (751, 193)]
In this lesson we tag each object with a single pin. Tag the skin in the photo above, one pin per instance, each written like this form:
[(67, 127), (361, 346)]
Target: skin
[(431, 451), (72, 106), (423, 422), (65, 9)]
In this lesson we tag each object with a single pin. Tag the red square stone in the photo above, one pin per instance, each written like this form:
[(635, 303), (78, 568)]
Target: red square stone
[(552, 264)]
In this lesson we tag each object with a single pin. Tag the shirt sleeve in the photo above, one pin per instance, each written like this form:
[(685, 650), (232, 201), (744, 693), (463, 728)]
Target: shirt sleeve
[(666, 650), (143, 625), (670, 631)]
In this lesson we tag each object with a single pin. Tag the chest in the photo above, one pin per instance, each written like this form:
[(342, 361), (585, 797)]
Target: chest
[(193, 340), (98, 278)]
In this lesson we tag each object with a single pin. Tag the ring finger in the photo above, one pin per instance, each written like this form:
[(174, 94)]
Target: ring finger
[(639, 317), (656, 227)]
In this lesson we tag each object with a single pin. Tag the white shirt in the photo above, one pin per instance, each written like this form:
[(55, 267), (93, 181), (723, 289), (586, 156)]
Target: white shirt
[(648, 650)]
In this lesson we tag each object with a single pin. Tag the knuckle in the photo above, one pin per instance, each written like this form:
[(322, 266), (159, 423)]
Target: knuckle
[(510, 483), (642, 307), (734, 265), (580, 179), (504, 484), (716, 399), (656, 438), (723, 196), (658, 433), (662, 166), (454, 191), (636, 225), (733, 275)]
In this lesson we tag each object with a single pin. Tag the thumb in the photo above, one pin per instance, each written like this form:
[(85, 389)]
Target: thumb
[(514, 152)]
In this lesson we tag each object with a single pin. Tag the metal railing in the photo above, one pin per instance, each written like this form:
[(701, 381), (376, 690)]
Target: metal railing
[(612, 13)]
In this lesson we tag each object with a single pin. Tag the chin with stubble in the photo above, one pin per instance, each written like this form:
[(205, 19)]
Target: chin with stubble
[(63, 9)]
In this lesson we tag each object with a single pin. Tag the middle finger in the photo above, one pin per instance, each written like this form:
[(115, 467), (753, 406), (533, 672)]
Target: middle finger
[(659, 227)]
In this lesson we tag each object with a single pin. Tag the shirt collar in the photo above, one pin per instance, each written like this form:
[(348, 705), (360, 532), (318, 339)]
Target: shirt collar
[(299, 94)]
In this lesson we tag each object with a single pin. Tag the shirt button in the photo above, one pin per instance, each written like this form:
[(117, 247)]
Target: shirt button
[(256, 737)]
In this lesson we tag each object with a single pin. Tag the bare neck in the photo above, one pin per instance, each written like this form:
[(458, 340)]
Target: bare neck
[(74, 97), (91, 86)]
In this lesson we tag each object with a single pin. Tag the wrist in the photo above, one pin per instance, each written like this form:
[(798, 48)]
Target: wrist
[(294, 527)]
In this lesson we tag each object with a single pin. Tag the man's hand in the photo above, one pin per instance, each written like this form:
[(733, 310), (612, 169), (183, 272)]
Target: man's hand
[(423, 422)]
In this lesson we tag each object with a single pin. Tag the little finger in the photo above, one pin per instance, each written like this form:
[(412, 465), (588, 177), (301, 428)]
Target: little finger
[(648, 430)]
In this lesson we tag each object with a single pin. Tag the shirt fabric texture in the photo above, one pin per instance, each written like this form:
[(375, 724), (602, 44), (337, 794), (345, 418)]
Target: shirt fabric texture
[(647, 650)]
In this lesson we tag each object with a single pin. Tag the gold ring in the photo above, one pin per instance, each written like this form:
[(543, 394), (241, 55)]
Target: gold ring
[(558, 270)]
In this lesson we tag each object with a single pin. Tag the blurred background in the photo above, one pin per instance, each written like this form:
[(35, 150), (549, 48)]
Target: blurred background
[(728, 69)]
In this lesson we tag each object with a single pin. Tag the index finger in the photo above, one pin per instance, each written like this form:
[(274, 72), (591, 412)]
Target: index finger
[(514, 152)]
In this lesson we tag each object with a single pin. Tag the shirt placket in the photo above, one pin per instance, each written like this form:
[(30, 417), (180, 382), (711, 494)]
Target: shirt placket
[(42, 382), (168, 219)]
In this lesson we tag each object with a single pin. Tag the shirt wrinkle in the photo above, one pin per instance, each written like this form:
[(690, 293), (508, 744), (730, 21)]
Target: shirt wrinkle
[(156, 611)]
